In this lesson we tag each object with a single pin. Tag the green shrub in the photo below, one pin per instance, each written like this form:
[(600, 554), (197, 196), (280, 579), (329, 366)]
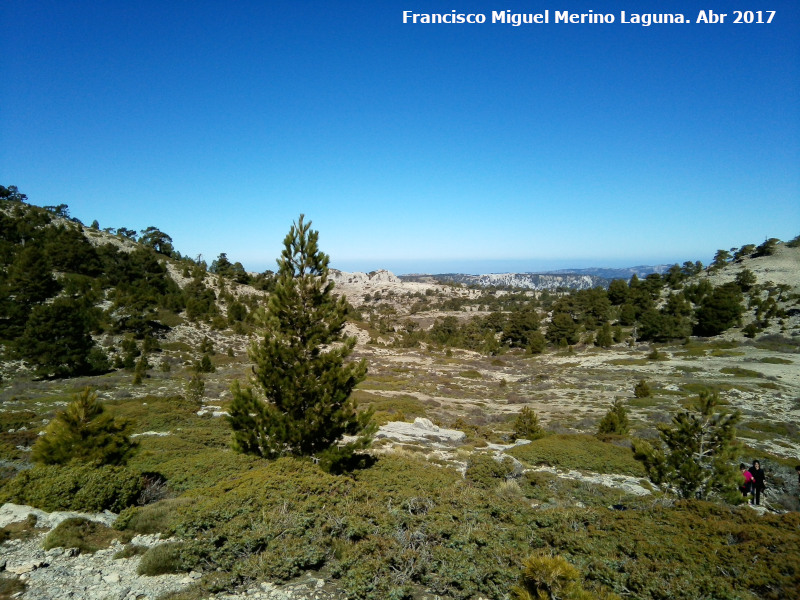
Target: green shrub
[(162, 559), (526, 425), (383, 531), (740, 372), (615, 421), (470, 374), (87, 536), (642, 389), (187, 464), (774, 360), (581, 452), (553, 577), (153, 518), (486, 472), (129, 551), (74, 487)]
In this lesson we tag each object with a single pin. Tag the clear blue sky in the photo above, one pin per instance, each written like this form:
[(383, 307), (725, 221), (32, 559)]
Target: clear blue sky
[(411, 147)]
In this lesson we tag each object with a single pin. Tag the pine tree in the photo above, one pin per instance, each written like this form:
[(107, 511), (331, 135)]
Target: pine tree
[(57, 338), (84, 432), (642, 389), (696, 455), (526, 425), (300, 366), (195, 388), (603, 337), (615, 421)]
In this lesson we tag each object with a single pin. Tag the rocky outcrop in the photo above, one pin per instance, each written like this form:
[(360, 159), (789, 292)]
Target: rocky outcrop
[(531, 281), (421, 431), (64, 573), (380, 276)]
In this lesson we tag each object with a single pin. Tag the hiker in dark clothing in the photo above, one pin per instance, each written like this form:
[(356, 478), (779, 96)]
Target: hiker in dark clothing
[(758, 482)]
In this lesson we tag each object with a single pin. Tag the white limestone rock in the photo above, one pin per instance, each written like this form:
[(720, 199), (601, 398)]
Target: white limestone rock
[(421, 431)]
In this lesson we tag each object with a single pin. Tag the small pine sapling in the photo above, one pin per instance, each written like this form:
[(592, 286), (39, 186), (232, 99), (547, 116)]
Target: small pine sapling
[(695, 457), (642, 389), (526, 425), (85, 433), (615, 421)]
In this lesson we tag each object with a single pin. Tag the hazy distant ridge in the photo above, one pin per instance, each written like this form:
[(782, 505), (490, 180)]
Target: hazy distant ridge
[(607, 273), (574, 279)]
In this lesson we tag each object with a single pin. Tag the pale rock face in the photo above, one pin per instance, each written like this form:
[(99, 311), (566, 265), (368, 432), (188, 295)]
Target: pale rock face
[(420, 431), (380, 276)]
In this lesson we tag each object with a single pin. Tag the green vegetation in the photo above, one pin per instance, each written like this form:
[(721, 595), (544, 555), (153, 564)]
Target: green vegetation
[(615, 421), (526, 425), (161, 559), (87, 536), (81, 488), (642, 389), (85, 433), (774, 360), (470, 374), (485, 471), (391, 408), (398, 525), (550, 577), (740, 372), (579, 452), (696, 453), (307, 405)]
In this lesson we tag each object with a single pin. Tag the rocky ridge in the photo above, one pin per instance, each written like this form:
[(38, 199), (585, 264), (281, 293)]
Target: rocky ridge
[(530, 281)]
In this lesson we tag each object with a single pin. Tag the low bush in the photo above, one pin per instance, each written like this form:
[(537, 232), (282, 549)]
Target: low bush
[(187, 465), (162, 559), (470, 374), (385, 531), (153, 518), (391, 408), (19, 530), (580, 452), (774, 360), (129, 551), (553, 577), (740, 372), (486, 472), (74, 487), (87, 536), (689, 551), (642, 389)]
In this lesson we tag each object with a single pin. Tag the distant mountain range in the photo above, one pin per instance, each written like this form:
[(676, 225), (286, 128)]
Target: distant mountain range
[(576, 279)]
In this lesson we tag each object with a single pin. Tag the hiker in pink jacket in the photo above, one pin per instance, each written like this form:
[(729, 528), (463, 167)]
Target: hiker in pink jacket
[(747, 486)]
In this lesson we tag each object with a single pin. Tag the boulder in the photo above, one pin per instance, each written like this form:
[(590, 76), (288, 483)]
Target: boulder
[(421, 431)]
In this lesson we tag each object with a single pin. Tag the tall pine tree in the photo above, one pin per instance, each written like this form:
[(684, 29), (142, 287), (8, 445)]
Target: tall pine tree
[(304, 405)]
